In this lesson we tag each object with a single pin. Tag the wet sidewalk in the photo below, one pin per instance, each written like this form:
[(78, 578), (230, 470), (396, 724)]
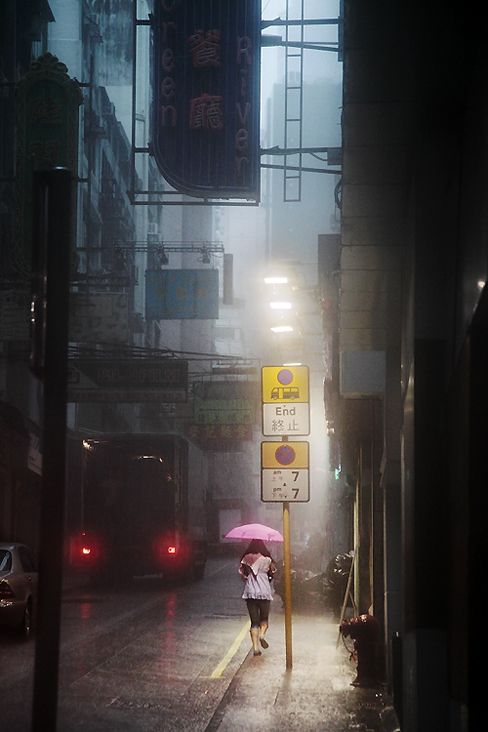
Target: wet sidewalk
[(315, 695)]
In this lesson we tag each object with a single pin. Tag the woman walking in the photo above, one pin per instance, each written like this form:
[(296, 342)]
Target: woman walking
[(257, 569)]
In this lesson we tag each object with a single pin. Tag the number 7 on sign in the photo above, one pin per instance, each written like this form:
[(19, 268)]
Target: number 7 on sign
[(285, 485), (285, 472)]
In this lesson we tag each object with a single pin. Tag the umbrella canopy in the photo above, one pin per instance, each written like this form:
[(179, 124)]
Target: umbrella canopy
[(254, 531)]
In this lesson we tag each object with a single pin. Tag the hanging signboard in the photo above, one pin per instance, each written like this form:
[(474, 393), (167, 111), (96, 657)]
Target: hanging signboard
[(100, 317), (225, 402), (47, 120), (178, 294), (226, 389), (206, 96), (136, 380), (285, 472), (219, 437), (223, 411)]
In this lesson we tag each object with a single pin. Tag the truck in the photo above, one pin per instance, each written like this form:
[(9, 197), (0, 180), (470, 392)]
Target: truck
[(137, 512)]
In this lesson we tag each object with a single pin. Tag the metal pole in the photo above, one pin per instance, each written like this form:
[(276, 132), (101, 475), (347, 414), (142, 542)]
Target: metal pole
[(287, 567), (51, 250)]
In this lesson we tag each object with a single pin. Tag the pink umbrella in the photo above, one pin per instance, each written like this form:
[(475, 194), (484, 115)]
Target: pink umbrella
[(254, 531)]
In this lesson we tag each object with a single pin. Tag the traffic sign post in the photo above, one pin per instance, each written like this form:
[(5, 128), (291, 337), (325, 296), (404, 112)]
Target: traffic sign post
[(287, 570), (285, 465)]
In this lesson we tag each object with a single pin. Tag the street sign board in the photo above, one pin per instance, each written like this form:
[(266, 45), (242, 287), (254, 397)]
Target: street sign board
[(99, 317), (285, 394), (206, 78), (286, 419), (223, 411), (225, 402), (284, 384), (128, 380), (219, 437), (47, 105), (285, 472), (179, 294)]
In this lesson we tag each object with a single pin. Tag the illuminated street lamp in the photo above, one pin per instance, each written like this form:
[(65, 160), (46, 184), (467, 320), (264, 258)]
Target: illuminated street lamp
[(282, 329), (280, 305), (276, 280), (280, 301)]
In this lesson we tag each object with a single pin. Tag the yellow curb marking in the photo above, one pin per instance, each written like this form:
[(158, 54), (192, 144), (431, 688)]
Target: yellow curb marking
[(218, 671)]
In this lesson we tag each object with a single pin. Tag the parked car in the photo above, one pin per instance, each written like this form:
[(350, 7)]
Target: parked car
[(18, 587)]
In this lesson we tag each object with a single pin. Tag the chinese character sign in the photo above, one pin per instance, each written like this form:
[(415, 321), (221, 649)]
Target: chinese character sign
[(285, 395), (206, 96)]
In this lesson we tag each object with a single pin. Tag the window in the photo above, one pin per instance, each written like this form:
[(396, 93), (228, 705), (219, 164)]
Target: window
[(5, 560), (27, 559)]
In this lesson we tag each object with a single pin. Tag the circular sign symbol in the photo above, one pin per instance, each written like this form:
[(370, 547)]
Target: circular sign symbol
[(285, 376), (285, 455)]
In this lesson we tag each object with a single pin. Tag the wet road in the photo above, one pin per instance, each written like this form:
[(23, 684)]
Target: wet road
[(146, 657)]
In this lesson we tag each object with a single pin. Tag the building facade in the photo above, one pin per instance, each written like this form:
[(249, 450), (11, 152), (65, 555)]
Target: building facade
[(117, 245), (408, 395), (405, 317)]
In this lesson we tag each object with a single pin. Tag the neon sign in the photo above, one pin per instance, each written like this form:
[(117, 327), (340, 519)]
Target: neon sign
[(205, 133)]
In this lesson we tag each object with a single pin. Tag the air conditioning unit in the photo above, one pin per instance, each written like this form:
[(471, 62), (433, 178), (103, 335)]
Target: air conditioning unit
[(152, 229)]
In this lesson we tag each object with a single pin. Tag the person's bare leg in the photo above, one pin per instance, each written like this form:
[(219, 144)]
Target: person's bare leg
[(255, 641), (262, 632)]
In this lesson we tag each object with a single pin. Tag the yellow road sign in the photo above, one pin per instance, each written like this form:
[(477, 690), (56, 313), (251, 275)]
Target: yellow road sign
[(284, 384), (285, 472), (283, 455)]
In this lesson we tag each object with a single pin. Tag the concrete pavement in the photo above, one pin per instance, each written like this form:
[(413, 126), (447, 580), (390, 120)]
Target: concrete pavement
[(314, 696)]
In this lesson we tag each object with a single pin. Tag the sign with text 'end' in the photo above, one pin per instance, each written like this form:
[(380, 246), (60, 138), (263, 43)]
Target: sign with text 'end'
[(285, 397)]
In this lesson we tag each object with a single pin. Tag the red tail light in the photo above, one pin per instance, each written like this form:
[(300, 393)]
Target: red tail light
[(166, 551), (84, 550), (89, 547)]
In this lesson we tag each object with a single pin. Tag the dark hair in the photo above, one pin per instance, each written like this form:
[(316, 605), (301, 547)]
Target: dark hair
[(257, 546)]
